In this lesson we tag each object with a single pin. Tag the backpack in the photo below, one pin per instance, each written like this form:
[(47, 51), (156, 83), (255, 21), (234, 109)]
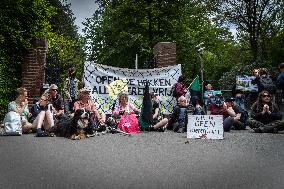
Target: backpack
[(266, 84), (173, 90), (12, 124)]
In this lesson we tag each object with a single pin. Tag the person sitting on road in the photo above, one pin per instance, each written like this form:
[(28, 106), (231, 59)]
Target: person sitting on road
[(57, 103), (124, 106), (44, 119), (265, 115), (20, 106), (197, 108), (224, 108), (84, 101), (179, 118), (180, 89), (159, 123)]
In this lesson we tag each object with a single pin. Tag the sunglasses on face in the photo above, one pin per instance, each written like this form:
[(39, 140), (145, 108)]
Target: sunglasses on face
[(54, 89), (266, 96)]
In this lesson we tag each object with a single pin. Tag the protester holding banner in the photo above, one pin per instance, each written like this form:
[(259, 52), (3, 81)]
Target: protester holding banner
[(265, 115), (84, 101)]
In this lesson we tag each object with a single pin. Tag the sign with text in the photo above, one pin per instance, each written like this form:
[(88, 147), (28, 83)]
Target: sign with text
[(97, 77), (243, 83), (205, 126)]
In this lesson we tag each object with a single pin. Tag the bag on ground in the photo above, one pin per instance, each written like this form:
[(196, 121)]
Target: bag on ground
[(128, 124), (12, 124)]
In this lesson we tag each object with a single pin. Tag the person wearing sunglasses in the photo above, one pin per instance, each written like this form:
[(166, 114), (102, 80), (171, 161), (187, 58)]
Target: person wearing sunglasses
[(265, 115), (57, 102)]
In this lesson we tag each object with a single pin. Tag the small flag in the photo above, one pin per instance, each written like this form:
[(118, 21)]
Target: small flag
[(195, 86)]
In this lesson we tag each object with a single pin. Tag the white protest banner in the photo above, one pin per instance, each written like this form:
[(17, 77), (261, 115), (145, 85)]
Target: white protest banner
[(205, 126), (243, 83), (97, 77)]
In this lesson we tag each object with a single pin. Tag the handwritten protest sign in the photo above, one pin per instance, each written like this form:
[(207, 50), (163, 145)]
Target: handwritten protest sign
[(205, 126)]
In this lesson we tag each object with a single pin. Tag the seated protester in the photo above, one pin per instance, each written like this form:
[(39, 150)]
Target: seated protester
[(20, 106), (57, 103), (225, 108), (265, 115), (125, 114), (159, 123), (44, 120), (84, 101), (197, 108), (209, 92), (239, 114), (123, 106), (34, 110), (179, 118)]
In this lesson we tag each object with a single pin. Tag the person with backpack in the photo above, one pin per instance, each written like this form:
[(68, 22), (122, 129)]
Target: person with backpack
[(265, 82)]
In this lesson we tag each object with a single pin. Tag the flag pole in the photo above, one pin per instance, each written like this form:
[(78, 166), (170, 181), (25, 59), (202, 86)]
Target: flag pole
[(200, 48)]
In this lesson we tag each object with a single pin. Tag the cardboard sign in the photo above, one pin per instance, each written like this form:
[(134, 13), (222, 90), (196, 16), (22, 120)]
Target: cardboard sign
[(243, 83), (205, 126)]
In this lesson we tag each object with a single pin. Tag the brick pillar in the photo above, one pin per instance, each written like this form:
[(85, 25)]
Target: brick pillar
[(165, 54), (33, 68)]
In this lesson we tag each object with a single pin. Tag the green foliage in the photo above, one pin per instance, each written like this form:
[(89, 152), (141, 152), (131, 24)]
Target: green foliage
[(20, 21)]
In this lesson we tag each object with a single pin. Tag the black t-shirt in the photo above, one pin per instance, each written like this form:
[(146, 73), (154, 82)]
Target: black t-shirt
[(155, 106)]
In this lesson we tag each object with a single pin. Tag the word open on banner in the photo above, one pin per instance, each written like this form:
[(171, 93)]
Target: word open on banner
[(98, 77), (205, 126)]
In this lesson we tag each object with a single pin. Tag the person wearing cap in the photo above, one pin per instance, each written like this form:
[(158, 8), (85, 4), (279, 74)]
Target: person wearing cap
[(231, 114), (159, 123), (71, 89), (265, 115), (57, 103), (85, 101)]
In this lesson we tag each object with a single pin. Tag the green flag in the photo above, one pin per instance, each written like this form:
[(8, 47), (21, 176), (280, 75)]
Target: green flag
[(195, 84)]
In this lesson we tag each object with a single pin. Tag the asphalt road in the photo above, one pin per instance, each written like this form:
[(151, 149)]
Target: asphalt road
[(243, 160)]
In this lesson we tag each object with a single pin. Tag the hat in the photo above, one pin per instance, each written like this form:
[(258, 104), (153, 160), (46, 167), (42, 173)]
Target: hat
[(217, 93), (230, 99), (85, 90), (53, 86)]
